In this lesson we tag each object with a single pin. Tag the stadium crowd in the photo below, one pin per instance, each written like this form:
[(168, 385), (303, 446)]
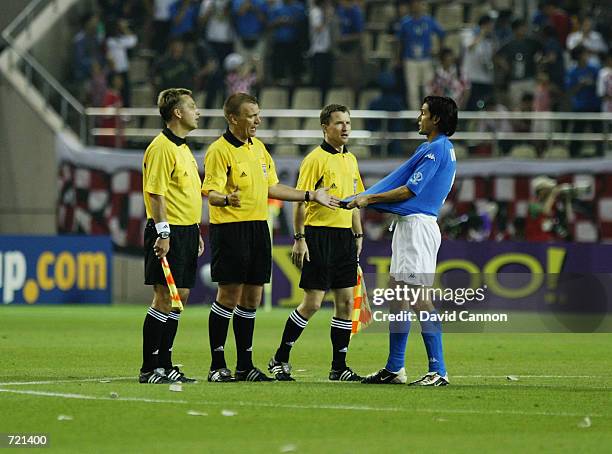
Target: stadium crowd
[(556, 60)]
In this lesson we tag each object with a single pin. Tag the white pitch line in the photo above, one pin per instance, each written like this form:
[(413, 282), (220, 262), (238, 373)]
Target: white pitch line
[(529, 376), (86, 397), (75, 380), (301, 406)]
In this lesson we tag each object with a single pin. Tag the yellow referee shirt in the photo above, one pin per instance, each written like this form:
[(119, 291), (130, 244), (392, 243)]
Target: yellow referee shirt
[(169, 169), (230, 164), (327, 167)]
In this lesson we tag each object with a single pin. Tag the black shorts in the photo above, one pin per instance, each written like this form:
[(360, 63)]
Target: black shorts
[(333, 259), (241, 253), (182, 256)]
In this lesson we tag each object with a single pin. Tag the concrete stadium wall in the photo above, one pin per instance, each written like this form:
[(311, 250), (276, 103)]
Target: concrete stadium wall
[(28, 175)]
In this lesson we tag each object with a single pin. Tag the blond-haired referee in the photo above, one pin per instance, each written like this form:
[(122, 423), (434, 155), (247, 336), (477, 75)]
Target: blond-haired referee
[(171, 190), (240, 176), (327, 244)]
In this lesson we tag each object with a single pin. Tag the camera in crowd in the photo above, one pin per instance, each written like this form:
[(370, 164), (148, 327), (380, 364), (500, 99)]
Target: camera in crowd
[(575, 191)]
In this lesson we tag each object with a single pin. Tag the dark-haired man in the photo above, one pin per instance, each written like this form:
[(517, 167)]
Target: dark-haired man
[(414, 193), (327, 244), (171, 191), (240, 176)]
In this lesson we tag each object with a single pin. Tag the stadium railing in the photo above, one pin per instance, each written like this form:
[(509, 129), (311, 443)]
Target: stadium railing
[(552, 123), (16, 58)]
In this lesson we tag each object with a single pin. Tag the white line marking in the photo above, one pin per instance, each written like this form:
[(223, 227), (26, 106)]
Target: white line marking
[(529, 376), (75, 380), (85, 397), (301, 406)]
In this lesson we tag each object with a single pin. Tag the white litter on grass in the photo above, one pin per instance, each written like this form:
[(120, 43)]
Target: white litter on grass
[(196, 413), (228, 413), (301, 370), (585, 423), (288, 448), (512, 378), (114, 395), (176, 387), (441, 420), (104, 381), (64, 418)]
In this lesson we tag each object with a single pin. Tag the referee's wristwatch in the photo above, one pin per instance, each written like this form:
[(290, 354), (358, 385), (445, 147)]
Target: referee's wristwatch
[(299, 236), (163, 235)]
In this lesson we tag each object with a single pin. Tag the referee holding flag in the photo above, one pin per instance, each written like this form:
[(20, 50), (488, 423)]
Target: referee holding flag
[(171, 191)]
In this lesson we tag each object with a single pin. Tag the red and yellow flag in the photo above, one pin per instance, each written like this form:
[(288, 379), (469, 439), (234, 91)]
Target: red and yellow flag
[(362, 314), (174, 296)]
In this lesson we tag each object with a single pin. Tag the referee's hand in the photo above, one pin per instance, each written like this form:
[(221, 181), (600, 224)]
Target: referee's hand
[(161, 247), (323, 197), (299, 253), (233, 199)]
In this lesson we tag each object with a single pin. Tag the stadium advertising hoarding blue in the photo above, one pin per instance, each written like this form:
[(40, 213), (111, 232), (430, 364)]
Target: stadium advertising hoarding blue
[(516, 275), (55, 269)]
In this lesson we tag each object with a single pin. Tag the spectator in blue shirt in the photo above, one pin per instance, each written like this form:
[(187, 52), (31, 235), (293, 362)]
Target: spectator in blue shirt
[(350, 55), (250, 19), (287, 20), (580, 83), (389, 101), (415, 46), (183, 19)]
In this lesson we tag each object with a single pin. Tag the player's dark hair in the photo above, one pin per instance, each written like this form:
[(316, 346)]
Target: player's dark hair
[(446, 110), (233, 102), (330, 109), (170, 99)]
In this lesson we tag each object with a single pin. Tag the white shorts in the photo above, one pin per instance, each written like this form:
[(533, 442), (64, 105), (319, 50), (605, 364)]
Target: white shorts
[(414, 249)]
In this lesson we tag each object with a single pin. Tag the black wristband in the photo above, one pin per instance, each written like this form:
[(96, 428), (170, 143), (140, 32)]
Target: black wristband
[(307, 196), (226, 200), (357, 235)]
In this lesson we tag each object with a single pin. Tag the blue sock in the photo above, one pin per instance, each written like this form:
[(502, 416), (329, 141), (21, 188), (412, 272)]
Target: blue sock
[(398, 337), (432, 337)]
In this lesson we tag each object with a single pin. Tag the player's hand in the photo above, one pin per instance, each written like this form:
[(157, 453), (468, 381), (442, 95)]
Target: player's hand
[(361, 201), (161, 247), (234, 198), (200, 246), (300, 253), (323, 197)]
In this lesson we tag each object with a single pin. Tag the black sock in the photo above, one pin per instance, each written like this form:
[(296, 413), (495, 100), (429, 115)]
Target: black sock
[(244, 325), (340, 336), (218, 324), (167, 340), (293, 328), (152, 331)]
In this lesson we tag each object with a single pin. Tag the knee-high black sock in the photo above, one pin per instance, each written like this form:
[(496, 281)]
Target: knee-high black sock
[(218, 324), (244, 325), (340, 336), (167, 340), (293, 328), (152, 331)]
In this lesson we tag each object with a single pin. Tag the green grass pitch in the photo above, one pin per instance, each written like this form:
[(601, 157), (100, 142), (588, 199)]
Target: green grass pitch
[(56, 359)]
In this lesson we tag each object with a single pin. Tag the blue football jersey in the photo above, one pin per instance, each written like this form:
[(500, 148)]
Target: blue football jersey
[(429, 174)]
